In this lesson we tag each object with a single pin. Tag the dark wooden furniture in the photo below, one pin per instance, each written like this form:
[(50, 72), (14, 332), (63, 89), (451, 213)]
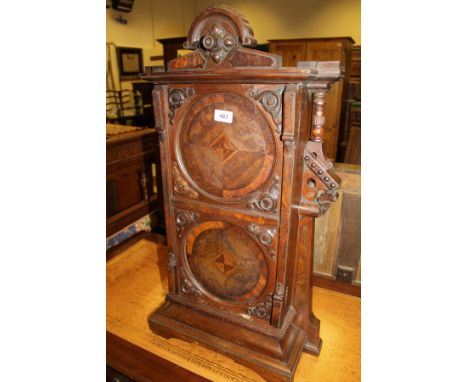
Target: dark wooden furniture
[(133, 181), (144, 89), (170, 47), (124, 107), (242, 185), (136, 281), (323, 49)]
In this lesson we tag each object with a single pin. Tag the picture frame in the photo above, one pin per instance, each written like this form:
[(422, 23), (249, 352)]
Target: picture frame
[(130, 61)]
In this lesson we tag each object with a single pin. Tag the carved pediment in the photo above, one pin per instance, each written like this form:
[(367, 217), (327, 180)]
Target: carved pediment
[(220, 37)]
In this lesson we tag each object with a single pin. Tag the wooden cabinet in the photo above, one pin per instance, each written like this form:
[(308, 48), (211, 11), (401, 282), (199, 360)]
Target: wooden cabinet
[(244, 177), (323, 49), (132, 179)]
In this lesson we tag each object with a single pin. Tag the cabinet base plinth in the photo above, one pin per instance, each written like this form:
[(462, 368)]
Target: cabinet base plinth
[(274, 358)]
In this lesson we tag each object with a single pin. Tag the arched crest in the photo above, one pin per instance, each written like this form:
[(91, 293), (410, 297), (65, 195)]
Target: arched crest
[(221, 37), (224, 17)]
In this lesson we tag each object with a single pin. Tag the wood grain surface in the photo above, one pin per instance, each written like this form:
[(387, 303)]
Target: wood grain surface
[(338, 233), (137, 283)]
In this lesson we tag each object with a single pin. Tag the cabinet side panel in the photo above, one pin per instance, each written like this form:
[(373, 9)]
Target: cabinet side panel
[(161, 123)]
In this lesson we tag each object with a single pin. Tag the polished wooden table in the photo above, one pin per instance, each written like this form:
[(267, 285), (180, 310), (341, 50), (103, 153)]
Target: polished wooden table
[(137, 283)]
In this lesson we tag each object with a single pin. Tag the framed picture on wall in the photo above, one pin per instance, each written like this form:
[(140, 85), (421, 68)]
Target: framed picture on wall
[(130, 62)]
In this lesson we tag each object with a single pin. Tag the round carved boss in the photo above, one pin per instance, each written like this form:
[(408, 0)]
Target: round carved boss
[(226, 261), (226, 160)]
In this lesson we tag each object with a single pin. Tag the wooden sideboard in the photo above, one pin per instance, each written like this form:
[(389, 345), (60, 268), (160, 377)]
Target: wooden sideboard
[(323, 49), (133, 180)]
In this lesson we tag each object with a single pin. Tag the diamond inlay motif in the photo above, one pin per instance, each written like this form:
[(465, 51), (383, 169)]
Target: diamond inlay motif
[(223, 148), (227, 160), (225, 262)]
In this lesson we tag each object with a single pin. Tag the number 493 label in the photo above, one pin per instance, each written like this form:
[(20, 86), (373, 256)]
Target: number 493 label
[(223, 116)]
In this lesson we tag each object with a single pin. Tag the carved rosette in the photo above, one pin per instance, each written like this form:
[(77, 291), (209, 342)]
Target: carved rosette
[(262, 309), (271, 102), (172, 261), (264, 236), (176, 97), (180, 184), (217, 44), (268, 202), (189, 288), (184, 218)]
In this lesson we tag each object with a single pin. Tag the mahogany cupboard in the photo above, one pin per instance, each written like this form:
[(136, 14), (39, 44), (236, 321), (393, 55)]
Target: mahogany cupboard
[(243, 183), (324, 49)]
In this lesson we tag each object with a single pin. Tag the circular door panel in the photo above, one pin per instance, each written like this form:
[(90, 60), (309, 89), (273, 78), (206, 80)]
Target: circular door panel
[(226, 161), (226, 261)]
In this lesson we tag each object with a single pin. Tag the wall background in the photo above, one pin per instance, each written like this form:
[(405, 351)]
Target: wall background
[(270, 19)]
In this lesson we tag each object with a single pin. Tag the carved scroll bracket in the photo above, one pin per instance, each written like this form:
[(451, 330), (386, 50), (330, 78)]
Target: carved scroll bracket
[(264, 235), (176, 97), (320, 183), (272, 103), (268, 202), (189, 288), (262, 309), (184, 218), (180, 184)]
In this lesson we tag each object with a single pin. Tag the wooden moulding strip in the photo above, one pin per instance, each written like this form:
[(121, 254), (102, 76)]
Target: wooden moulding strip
[(233, 317)]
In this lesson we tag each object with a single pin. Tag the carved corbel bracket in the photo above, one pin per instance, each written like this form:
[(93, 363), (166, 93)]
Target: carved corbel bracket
[(189, 288), (267, 202), (272, 103), (176, 97), (262, 309), (264, 235), (320, 183), (184, 218), (180, 184)]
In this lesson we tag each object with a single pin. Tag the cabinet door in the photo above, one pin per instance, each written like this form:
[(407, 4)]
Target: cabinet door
[(292, 53), (225, 159), (325, 51)]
